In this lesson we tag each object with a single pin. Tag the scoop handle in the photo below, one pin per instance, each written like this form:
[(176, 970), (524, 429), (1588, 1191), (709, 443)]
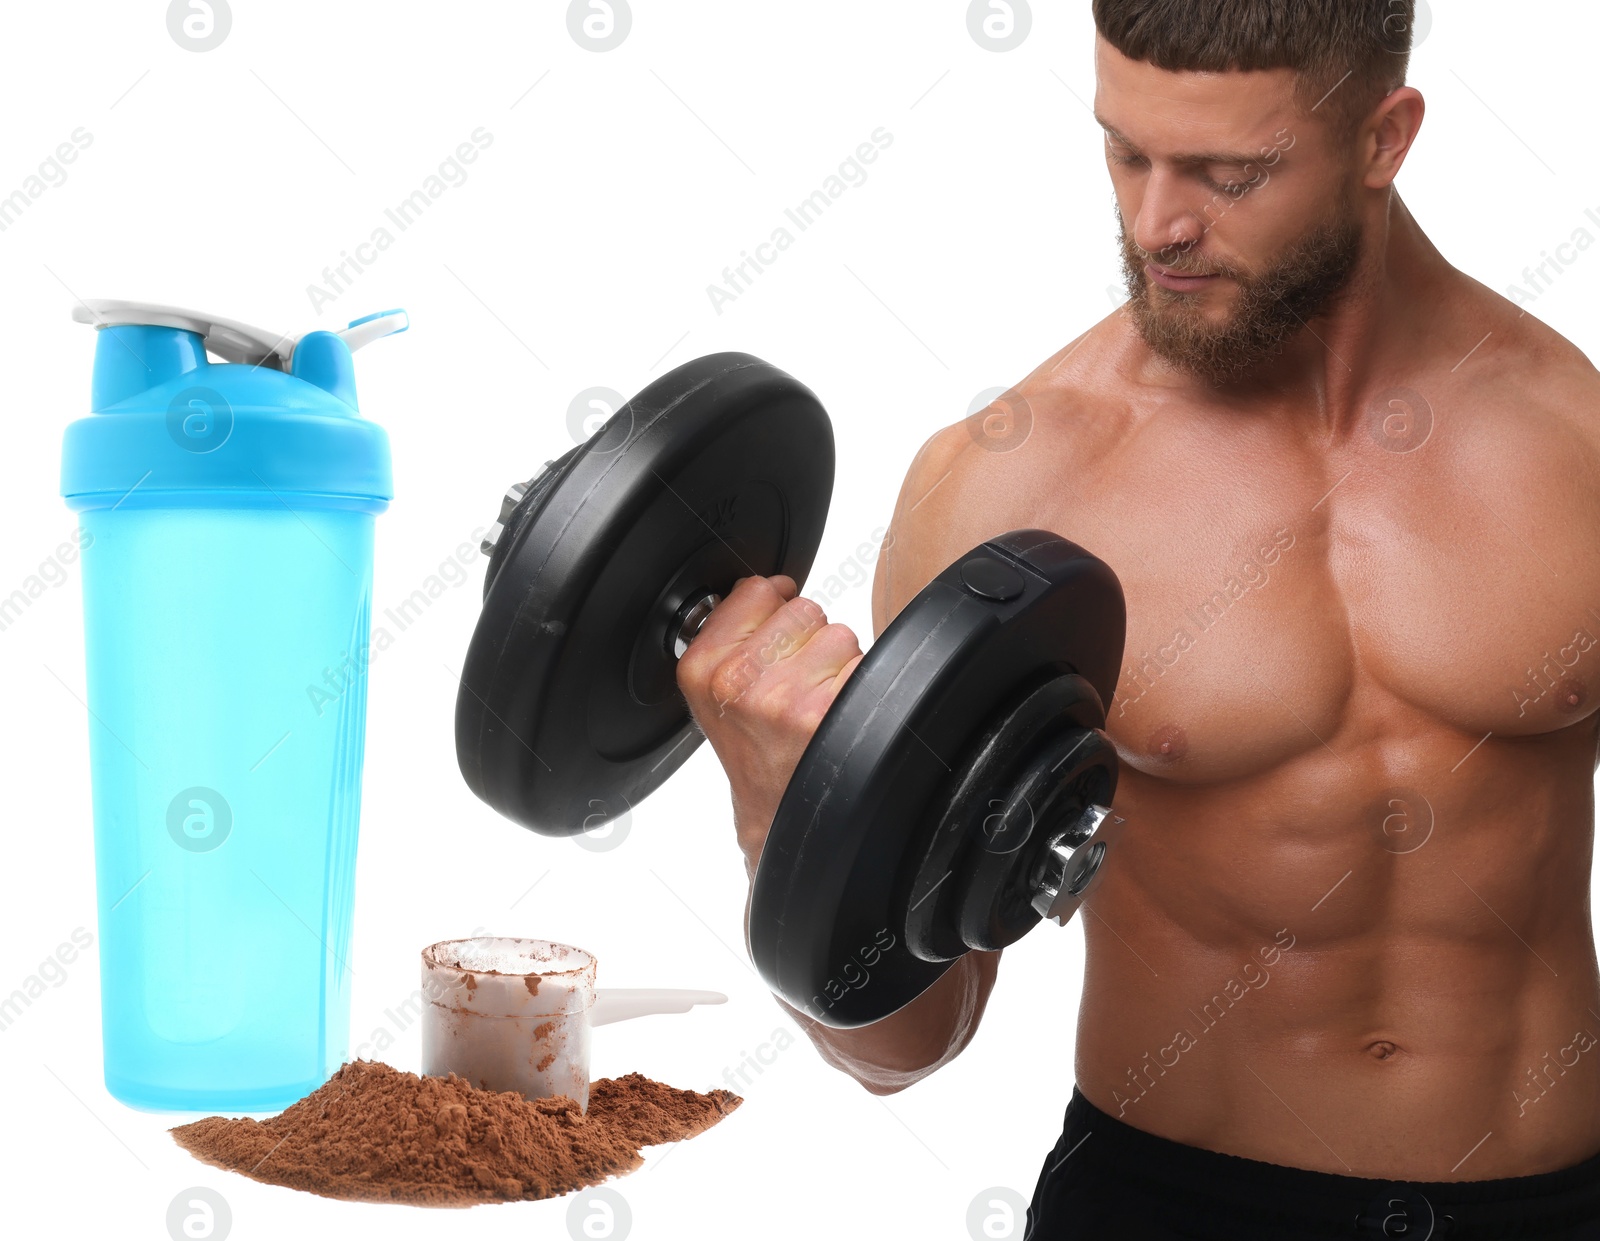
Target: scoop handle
[(624, 1003)]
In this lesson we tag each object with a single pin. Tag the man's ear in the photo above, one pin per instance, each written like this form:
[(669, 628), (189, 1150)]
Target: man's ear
[(1388, 134)]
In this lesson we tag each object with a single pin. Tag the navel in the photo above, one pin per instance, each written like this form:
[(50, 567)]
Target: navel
[(1381, 1050), (1169, 743)]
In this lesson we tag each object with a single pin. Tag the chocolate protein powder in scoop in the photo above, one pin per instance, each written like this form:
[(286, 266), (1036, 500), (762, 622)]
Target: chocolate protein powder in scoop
[(376, 1133)]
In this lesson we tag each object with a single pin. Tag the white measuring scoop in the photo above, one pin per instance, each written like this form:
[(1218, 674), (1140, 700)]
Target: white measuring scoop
[(515, 1014)]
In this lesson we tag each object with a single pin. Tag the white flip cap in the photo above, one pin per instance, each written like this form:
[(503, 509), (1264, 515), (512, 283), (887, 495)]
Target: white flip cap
[(228, 338)]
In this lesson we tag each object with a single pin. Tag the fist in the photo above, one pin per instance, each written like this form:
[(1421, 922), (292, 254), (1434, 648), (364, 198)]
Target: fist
[(760, 675)]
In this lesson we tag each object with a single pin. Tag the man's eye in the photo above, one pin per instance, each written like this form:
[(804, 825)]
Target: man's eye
[(1126, 159), (1229, 184)]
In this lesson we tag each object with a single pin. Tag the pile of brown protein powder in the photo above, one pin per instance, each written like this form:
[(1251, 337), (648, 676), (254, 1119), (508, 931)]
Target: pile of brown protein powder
[(375, 1133)]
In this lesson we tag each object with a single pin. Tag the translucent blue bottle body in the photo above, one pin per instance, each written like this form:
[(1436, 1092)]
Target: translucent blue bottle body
[(226, 656)]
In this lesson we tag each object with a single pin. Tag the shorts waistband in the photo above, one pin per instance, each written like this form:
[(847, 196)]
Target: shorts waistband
[(1212, 1175)]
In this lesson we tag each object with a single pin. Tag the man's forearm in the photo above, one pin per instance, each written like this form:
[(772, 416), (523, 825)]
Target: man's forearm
[(906, 1046)]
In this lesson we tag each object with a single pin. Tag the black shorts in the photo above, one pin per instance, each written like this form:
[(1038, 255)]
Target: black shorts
[(1107, 1180)]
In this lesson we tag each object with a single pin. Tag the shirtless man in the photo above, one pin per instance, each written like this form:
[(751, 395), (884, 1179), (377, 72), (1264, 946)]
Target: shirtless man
[(1353, 498)]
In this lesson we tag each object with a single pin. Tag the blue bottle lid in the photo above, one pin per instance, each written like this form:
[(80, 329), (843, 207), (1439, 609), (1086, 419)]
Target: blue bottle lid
[(276, 418)]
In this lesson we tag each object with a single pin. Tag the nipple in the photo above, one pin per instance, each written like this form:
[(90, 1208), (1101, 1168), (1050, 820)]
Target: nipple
[(1570, 695), (1169, 743)]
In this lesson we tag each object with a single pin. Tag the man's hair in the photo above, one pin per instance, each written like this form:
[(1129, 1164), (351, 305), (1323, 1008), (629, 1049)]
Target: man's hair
[(1348, 54)]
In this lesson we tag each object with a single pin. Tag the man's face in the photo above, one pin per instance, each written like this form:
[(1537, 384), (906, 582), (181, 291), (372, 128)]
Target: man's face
[(1238, 223)]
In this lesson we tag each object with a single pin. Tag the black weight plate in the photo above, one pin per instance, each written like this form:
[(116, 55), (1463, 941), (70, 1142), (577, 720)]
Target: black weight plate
[(533, 499), (569, 711), (830, 884), (998, 878), (976, 801)]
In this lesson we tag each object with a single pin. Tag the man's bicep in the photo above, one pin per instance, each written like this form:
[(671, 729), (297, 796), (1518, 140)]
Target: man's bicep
[(924, 537), (915, 550)]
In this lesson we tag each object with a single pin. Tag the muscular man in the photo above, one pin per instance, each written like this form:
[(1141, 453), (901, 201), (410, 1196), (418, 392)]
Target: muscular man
[(1341, 976)]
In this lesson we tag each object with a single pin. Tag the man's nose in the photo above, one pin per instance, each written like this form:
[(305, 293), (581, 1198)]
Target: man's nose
[(1167, 224)]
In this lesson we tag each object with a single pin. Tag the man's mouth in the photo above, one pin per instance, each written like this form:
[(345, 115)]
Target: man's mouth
[(1175, 281)]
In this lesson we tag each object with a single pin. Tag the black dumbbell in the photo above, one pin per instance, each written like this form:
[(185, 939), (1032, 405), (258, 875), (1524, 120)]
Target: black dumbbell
[(957, 790)]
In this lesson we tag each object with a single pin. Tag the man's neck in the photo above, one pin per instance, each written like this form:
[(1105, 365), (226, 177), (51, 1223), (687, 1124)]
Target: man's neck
[(1366, 341)]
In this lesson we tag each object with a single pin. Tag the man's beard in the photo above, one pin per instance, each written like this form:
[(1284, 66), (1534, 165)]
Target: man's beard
[(1271, 306)]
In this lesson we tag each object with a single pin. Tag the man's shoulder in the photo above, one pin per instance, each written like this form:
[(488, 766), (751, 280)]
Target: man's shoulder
[(1522, 376), (1003, 468), (1076, 403), (1560, 377), (1059, 420)]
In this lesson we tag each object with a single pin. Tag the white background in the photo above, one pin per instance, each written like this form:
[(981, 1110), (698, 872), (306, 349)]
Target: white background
[(577, 253)]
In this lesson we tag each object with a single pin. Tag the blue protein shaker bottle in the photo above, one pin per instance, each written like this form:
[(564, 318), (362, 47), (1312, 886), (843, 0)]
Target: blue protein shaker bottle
[(227, 515)]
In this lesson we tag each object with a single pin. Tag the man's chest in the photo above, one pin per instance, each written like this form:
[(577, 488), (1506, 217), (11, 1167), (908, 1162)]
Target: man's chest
[(1279, 603)]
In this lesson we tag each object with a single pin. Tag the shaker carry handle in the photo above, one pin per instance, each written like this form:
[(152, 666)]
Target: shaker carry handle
[(229, 339)]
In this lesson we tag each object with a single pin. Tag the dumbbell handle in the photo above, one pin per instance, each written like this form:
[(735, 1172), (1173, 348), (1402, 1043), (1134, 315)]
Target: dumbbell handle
[(687, 621)]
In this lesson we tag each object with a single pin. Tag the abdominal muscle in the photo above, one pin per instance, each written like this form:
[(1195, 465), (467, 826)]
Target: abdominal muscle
[(1323, 991)]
